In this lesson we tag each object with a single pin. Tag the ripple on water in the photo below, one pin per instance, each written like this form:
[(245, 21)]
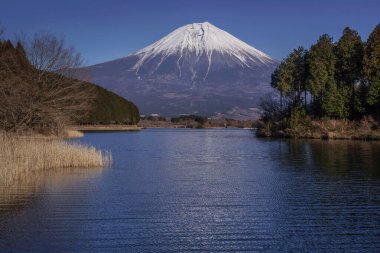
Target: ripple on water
[(202, 190)]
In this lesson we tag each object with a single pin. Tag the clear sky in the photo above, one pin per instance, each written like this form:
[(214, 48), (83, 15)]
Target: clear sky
[(104, 30)]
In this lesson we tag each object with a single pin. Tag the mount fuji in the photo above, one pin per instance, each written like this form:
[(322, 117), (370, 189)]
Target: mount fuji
[(196, 69)]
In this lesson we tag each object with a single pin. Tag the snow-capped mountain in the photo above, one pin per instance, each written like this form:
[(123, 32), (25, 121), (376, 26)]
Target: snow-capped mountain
[(197, 68)]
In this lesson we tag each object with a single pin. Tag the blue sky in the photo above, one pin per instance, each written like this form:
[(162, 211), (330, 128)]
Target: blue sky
[(106, 30)]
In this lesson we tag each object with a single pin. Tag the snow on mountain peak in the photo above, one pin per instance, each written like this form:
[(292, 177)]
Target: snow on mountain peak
[(203, 38)]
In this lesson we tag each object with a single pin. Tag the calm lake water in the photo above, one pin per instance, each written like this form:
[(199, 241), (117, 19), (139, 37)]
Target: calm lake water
[(178, 190)]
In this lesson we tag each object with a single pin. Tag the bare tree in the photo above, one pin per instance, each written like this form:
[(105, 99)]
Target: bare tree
[(48, 53), (46, 95), (272, 107)]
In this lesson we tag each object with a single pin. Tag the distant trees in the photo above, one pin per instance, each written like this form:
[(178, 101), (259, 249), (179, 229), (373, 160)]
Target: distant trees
[(337, 80)]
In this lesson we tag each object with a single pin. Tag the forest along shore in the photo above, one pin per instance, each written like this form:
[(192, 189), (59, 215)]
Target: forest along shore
[(329, 91), (192, 121), (366, 129)]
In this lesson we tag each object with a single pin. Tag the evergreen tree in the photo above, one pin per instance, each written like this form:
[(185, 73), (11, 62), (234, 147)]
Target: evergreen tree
[(279, 81), (289, 77), (321, 69), (298, 71), (371, 59), (349, 53), (343, 78), (335, 103), (371, 69), (349, 57), (358, 101), (373, 94)]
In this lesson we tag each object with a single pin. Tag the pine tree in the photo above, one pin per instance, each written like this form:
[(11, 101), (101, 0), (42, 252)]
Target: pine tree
[(289, 77), (279, 81), (371, 59), (373, 94), (349, 53), (335, 104), (321, 69), (372, 69), (349, 57)]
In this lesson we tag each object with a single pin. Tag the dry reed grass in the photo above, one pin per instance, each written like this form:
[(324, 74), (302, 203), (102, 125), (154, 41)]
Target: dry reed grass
[(20, 154), (73, 134)]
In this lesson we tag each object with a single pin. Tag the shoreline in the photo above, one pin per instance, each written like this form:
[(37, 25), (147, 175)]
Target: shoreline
[(106, 128), (322, 138), (366, 129), (330, 135)]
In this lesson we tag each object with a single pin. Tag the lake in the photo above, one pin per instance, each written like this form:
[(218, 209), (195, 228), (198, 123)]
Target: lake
[(179, 190)]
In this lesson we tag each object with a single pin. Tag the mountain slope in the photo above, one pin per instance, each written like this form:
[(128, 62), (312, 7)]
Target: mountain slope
[(196, 69)]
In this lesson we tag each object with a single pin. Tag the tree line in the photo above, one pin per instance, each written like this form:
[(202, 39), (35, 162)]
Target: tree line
[(339, 80)]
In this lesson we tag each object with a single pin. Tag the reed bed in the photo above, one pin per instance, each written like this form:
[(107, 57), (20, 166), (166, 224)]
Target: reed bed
[(73, 134), (20, 154)]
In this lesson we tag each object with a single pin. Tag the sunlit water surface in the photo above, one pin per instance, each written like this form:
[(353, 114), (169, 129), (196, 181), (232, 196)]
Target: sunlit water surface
[(201, 190)]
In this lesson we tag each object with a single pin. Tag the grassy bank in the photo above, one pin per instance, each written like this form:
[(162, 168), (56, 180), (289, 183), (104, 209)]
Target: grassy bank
[(365, 129), (19, 154), (101, 128)]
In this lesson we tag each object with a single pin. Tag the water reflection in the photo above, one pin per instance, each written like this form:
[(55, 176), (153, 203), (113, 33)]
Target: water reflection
[(333, 158), (28, 185)]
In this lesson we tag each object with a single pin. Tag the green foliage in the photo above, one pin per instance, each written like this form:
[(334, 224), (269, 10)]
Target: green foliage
[(289, 77), (349, 57), (280, 79), (342, 79), (335, 103), (371, 59), (358, 101), (321, 65), (109, 108), (298, 117), (373, 94)]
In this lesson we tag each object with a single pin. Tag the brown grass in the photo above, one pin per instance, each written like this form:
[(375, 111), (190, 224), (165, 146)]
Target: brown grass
[(365, 129), (109, 127), (70, 133), (20, 154)]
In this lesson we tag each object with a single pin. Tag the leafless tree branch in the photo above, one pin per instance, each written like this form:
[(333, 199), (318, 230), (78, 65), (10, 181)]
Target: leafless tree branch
[(46, 95)]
